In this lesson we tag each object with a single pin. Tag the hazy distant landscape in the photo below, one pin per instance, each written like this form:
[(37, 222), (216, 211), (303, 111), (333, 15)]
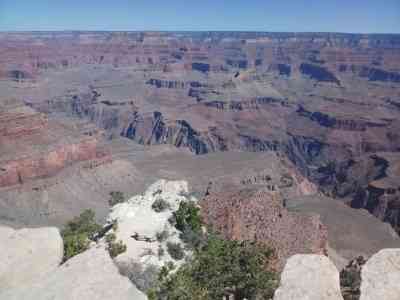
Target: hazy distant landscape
[(196, 164)]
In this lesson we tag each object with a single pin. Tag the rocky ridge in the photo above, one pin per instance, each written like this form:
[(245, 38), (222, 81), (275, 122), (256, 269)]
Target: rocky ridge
[(260, 215)]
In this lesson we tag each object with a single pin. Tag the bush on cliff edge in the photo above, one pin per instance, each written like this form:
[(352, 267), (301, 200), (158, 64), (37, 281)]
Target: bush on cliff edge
[(78, 233), (218, 269)]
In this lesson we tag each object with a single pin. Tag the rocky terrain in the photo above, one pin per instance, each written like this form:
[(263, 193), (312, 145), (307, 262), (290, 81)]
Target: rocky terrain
[(32, 148), (89, 275), (328, 102), (94, 274), (279, 135), (261, 216)]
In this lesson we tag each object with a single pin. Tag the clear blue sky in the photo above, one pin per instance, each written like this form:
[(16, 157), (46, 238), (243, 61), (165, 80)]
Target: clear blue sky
[(249, 15)]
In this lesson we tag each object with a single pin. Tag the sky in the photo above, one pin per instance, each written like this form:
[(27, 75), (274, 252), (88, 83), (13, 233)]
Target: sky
[(358, 16)]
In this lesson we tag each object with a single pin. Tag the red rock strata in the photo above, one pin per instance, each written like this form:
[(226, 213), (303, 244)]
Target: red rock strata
[(31, 148), (260, 215), (19, 170)]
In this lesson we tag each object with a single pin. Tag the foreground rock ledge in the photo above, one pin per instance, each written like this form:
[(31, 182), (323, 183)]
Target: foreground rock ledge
[(380, 276), (91, 275), (309, 277), (27, 253)]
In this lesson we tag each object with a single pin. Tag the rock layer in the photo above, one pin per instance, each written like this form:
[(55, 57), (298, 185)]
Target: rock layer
[(327, 101), (32, 147)]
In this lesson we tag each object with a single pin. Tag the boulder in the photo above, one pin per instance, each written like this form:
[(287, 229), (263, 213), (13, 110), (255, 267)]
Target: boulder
[(90, 275), (309, 277), (28, 253), (380, 276)]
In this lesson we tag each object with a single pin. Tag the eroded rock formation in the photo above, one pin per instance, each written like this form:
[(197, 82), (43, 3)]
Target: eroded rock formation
[(32, 147), (327, 101), (261, 215)]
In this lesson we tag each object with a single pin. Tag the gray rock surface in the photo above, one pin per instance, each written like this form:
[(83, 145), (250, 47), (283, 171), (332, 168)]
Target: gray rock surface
[(26, 253), (137, 216), (91, 275), (380, 276), (309, 277)]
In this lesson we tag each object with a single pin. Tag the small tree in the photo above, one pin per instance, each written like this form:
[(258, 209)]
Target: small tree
[(161, 236), (175, 250), (160, 205), (114, 248), (78, 233), (220, 269), (116, 197), (188, 216)]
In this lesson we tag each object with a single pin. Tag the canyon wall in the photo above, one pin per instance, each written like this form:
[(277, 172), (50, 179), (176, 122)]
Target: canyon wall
[(327, 101)]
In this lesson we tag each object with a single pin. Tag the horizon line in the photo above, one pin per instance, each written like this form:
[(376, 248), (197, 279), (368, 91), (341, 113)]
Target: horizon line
[(195, 31)]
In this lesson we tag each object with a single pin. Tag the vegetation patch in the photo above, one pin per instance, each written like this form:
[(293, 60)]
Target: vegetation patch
[(116, 197), (175, 250), (220, 268), (160, 205), (114, 247), (144, 278), (162, 236), (350, 279), (188, 217), (78, 233)]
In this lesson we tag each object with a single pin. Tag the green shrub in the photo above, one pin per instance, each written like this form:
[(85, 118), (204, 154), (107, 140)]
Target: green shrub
[(116, 197), (160, 205), (143, 278), (75, 244), (114, 248), (162, 236), (111, 238), (175, 250), (78, 233), (188, 217), (218, 268), (192, 239)]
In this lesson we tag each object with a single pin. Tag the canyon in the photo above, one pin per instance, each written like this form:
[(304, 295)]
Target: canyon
[(86, 113)]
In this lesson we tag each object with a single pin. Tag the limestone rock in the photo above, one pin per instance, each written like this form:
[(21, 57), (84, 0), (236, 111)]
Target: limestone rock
[(380, 276), (28, 253), (90, 275), (137, 216), (309, 277)]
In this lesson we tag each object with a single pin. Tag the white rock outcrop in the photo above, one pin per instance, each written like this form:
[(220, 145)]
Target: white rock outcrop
[(91, 275), (309, 277), (137, 216), (380, 276), (28, 253)]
